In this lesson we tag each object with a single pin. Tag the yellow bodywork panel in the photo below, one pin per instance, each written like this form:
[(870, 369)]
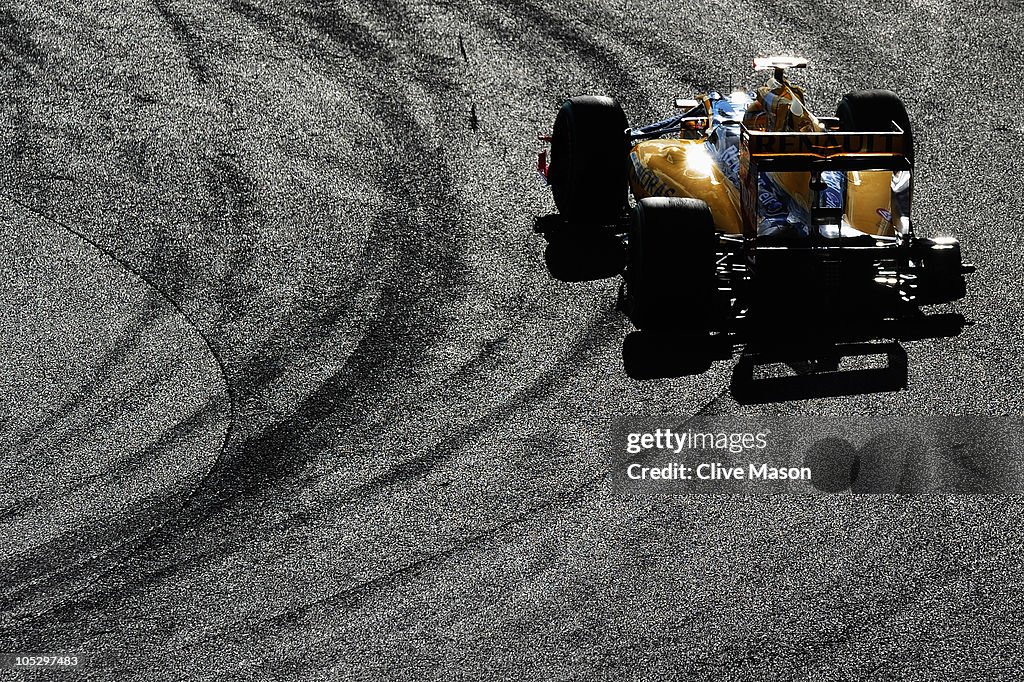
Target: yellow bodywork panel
[(683, 168), (797, 184), (868, 199)]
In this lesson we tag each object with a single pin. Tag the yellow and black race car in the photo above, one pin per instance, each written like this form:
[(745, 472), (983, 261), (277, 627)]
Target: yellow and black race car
[(756, 223)]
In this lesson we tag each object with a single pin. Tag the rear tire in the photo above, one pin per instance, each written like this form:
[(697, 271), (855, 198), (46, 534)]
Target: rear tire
[(588, 172), (873, 111), (670, 266)]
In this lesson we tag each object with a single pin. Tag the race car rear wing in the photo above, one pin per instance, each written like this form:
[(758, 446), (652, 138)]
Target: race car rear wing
[(828, 150), (815, 153)]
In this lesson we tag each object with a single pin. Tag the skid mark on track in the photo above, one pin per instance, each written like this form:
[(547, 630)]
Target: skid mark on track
[(423, 258), (187, 38), (547, 27), (19, 51), (95, 555), (584, 346), (352, 597), (421, 262), (98, 556)]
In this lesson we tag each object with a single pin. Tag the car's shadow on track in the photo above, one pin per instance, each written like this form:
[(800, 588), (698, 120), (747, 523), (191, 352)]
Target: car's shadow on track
[(646, 356), (580, 253), (815, 379), (811, 380), (649, 356), (582, 260)]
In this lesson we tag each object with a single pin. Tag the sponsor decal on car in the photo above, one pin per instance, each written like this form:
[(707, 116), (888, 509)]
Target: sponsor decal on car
[(647, 181), (825, 144)]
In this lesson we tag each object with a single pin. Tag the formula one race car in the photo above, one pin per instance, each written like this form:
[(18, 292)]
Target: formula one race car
[(756, 223)]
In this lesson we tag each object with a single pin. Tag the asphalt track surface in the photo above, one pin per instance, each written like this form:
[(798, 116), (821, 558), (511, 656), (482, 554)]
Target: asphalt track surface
[(305, 402)]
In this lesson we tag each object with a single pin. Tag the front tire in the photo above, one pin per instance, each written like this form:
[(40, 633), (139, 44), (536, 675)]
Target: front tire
[(589, 148)]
